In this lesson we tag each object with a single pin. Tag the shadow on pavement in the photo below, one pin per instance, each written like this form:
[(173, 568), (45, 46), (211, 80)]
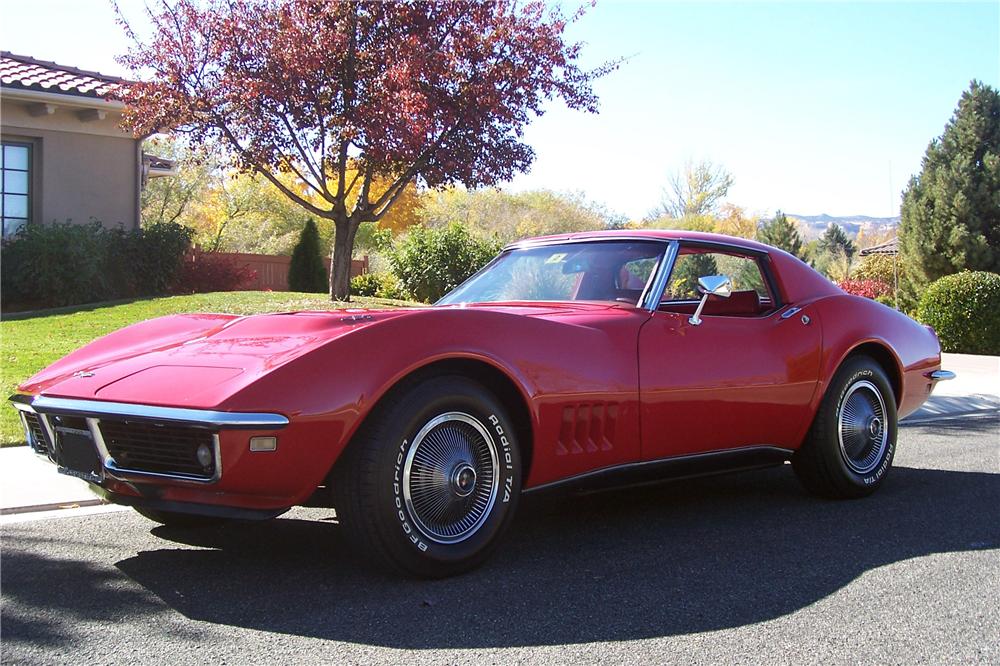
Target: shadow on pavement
[(691, 556)]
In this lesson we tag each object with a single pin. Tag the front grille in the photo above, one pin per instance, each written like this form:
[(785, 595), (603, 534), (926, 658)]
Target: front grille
[(35, 436), (160, 449)]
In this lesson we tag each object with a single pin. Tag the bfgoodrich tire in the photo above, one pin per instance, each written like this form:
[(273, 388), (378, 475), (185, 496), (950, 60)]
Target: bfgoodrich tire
[(850, 446), (430, 484)]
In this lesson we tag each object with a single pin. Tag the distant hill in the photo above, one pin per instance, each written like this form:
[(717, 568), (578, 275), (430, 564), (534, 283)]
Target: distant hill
[(813, 226)]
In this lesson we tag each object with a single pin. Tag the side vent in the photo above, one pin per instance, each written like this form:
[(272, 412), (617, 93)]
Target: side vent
[(587, 428)]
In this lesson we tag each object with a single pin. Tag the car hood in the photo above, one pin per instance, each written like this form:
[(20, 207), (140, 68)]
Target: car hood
[(193, 360), (200, 360)]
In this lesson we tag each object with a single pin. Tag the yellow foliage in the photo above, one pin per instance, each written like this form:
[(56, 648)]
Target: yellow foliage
[(733, 221)]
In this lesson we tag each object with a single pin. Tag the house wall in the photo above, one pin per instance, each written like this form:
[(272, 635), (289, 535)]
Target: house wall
[(81, 169)]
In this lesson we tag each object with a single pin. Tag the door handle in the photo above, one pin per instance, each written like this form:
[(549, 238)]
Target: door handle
[(790, 312)]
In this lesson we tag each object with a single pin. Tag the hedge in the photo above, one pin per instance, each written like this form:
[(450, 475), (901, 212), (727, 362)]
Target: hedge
[(964, 310), (52, 265)]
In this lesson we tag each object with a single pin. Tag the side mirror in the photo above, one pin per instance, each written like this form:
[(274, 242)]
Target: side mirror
[(711, 285)]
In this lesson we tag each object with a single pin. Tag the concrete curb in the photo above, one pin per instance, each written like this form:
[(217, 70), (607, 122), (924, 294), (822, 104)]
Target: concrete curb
[(51, 507)]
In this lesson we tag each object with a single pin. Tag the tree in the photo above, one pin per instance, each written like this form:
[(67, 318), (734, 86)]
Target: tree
[(782, 233), (435, 93), (306, 271), (734, 221), (835, 240), (508, 216), (169, 199), (696, 190), (951, 209), (833, 253)]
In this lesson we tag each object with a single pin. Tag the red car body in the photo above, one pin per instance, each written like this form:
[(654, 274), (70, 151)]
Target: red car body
[(592, 386)]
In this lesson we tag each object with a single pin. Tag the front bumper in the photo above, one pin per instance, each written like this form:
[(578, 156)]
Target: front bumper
[(134, 450)]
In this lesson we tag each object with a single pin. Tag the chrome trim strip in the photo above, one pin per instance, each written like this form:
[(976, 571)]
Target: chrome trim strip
[(102, 448), (941, 375), (194, 417), (786, 453), (541, 242), (651, 299)]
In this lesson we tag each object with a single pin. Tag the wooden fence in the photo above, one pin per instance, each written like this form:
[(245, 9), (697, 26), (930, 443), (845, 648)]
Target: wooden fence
[(272, 269)]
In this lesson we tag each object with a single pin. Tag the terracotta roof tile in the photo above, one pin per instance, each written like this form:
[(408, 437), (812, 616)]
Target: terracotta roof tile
[(26, 73)]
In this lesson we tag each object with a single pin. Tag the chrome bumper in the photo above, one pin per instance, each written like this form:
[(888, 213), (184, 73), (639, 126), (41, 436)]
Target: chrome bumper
[(92, 411), (941, 375)]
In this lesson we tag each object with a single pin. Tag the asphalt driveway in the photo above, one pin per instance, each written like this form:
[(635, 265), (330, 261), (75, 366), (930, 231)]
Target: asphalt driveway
[(741, 568)]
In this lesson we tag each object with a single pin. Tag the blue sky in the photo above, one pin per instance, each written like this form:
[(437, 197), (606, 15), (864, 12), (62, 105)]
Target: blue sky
[(813, 107)]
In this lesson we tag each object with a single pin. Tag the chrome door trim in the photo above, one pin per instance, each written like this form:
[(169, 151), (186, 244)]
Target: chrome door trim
[(650, 300)]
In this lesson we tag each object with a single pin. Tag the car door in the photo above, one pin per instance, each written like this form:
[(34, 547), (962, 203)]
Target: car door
[(744, 376)]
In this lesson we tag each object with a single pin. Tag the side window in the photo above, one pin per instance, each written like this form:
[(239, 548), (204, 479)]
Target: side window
[(751, 295)]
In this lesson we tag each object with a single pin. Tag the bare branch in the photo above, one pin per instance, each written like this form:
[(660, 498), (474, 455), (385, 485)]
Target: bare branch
[(259, 168), (307, 159)]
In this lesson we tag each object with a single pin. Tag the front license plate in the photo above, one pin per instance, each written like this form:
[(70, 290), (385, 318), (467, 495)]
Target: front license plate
[(77, 455)]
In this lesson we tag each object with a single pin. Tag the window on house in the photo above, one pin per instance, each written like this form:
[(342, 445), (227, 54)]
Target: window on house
[(16, 166)]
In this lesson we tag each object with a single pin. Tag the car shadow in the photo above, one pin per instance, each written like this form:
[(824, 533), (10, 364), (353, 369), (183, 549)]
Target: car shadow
[(678, 558), (672, 559)]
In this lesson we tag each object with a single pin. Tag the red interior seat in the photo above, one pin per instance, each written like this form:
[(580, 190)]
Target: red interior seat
[(740, 303)]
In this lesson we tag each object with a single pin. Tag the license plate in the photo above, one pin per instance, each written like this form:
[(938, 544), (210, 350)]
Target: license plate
[(77, 455)]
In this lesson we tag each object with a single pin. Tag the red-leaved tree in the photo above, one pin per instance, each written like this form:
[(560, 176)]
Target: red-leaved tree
[(355, 100)]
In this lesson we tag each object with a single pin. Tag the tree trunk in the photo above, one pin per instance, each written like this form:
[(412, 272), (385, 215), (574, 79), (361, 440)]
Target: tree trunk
[(340, 266)]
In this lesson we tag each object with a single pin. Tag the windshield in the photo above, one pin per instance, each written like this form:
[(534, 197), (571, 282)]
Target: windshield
[(589, 271)]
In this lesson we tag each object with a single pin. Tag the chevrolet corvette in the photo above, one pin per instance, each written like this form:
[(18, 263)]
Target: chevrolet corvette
[(576, 360)]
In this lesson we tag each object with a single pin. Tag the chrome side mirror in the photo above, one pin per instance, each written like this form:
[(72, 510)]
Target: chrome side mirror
[(711, 285)]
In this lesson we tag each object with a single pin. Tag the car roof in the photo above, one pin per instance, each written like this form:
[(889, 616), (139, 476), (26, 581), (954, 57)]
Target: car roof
[(646, 234), (796, 280)]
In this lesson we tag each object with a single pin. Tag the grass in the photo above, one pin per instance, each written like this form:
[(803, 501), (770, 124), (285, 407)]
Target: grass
[(31, 341)]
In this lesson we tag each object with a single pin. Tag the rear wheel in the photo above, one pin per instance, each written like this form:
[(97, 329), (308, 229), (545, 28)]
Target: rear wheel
[(431, 483), (175, 519), (851, 443)]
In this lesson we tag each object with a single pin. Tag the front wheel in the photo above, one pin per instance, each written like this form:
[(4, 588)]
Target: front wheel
[(431, 483), (851, 443)]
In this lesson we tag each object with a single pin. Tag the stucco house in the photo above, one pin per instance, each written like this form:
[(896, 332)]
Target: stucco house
[(65, 157)]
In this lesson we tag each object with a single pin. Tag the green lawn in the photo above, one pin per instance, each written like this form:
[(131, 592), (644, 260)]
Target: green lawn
[(31, 342)]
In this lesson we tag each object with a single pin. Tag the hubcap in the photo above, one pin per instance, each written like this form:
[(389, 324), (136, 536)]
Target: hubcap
[(861, 427), (451, 477)]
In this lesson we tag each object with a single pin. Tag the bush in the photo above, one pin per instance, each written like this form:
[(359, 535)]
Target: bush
[(873, 289), (432, 261), (306, 272), (51, 265), (203, 272), (881, 267), (366, 284), (380, 285), (964, 310), (54, 265), (393, 288)]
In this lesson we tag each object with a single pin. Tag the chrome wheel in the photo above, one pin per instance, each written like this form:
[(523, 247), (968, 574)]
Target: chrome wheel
[(451, 477), (862, 427)]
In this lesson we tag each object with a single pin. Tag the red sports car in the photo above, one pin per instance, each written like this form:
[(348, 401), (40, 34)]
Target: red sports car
[(576, 359)]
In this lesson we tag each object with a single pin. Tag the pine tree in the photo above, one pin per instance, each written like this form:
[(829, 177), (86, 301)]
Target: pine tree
[(951, 209), (835, 241), (306, 271), (781, 233)]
